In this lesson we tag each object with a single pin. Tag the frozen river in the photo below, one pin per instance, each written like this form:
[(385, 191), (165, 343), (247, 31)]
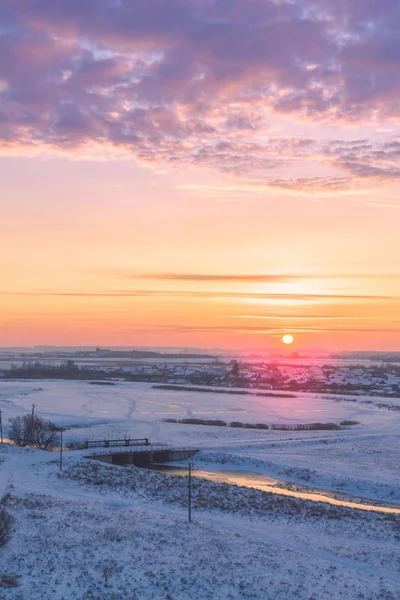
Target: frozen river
[(267, 484)]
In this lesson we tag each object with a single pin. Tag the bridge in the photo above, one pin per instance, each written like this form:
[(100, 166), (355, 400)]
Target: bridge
[(145, 456)]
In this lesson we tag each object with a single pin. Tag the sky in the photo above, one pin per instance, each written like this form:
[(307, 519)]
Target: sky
[(211, 173)]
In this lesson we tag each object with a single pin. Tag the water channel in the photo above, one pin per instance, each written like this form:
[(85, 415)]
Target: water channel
[(257, 481)]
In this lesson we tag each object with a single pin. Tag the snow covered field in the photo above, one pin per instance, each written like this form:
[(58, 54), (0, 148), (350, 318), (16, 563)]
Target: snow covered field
[(362, 460), (244, 543)]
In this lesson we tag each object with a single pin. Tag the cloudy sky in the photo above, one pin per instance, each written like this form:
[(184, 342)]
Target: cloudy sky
[(200, 172)]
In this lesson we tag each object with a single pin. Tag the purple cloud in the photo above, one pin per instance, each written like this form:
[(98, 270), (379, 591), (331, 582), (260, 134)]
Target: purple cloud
[(196, 80)]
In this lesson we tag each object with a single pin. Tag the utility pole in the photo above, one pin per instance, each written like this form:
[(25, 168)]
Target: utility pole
[(33, 411), (1, 427), (61, 448), (190, 493)]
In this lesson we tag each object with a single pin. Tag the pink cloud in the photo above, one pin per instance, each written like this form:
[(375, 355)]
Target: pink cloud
[(191, 80)]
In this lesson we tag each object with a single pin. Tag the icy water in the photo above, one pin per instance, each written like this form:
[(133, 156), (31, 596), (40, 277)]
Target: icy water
[(266, 484)]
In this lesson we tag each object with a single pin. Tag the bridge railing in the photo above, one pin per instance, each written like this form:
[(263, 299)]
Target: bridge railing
[(114, 443), (146, 448)]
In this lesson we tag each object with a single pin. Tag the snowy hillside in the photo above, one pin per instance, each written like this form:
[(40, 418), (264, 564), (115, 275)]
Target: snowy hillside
[(73, 528)]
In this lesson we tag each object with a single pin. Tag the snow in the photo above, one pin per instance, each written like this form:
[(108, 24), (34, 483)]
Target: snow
[(70, 400), (243, 543)]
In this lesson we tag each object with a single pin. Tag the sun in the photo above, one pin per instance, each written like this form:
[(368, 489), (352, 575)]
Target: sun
[(288, 339)]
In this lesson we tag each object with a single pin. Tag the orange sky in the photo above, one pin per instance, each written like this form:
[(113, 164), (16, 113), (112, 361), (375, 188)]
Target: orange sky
[(108, 253), (189, 174)]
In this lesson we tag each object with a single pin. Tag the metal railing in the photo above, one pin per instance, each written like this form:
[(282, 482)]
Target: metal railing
[(119, 443), (147, 448)]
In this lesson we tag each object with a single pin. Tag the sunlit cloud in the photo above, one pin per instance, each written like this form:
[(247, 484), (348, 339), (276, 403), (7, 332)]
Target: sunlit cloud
[(211, 295), (267, 330), (244, 277), (200, 83)]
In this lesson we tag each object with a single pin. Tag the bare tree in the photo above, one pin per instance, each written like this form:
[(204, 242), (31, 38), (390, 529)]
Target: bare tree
[(108, 568), (33, 430), (6, 521), (45, 434), (16, 431), (235, 372)]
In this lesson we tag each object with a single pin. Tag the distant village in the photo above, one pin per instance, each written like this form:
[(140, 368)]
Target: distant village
[(376, 380), (371, 379)]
